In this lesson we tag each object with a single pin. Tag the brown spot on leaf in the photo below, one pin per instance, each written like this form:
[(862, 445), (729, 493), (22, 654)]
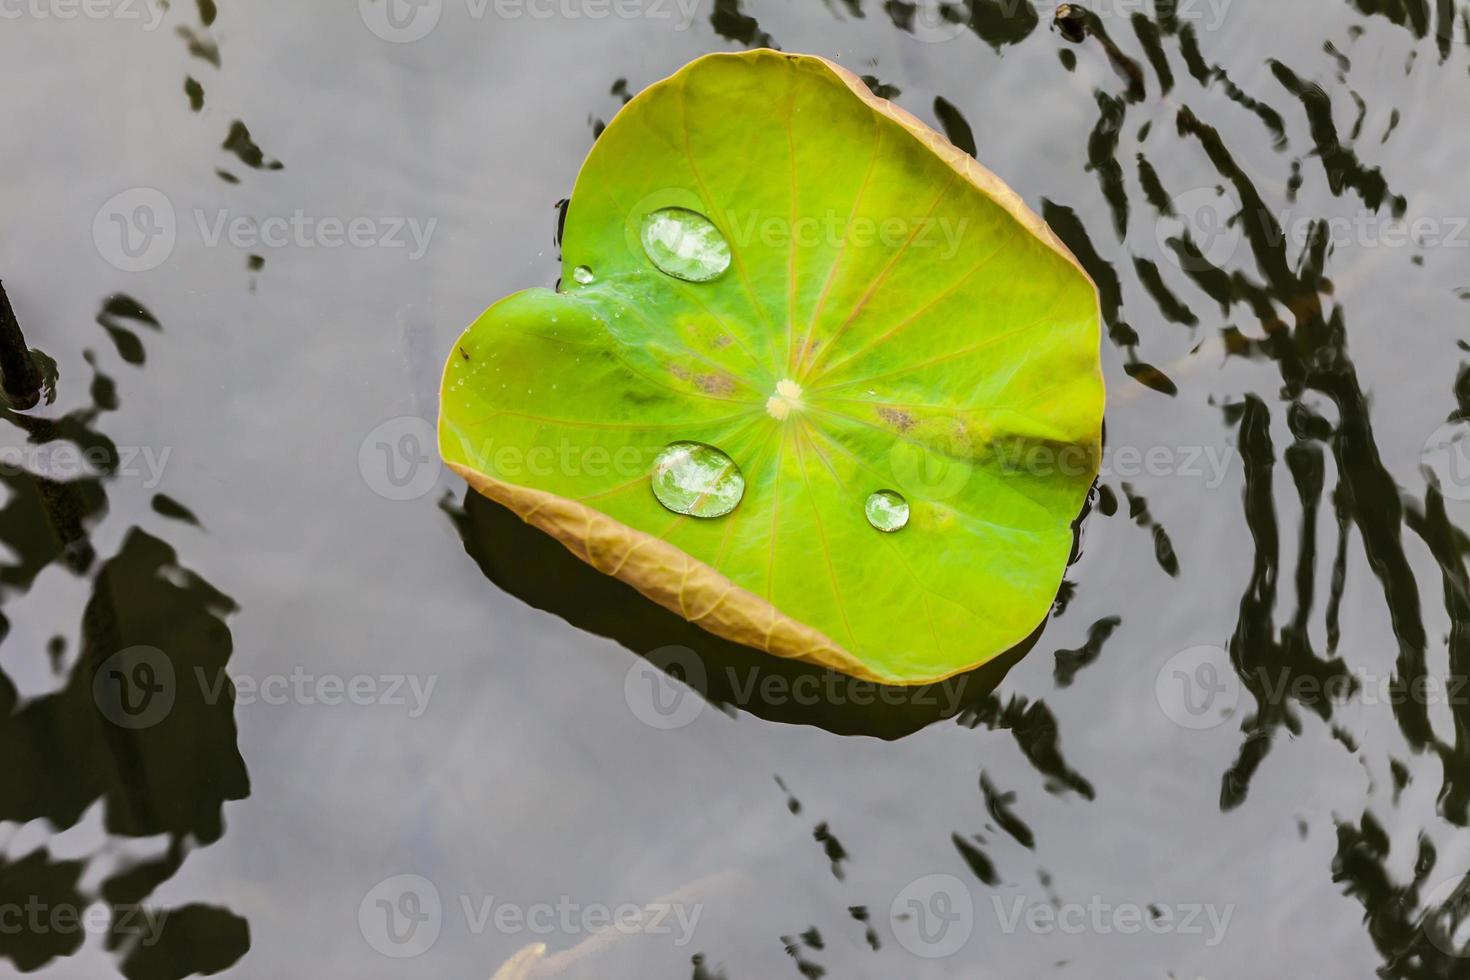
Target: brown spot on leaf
[(902, 421), (715, 384)]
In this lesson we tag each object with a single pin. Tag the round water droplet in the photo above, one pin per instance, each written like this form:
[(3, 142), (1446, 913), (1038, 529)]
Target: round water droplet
[(698, 480), (685, 244), (582, 274), (887, 510)]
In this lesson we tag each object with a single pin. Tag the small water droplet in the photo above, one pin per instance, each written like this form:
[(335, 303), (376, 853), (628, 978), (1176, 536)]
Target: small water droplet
[(698, 480), (582, 274), (685, 244), (887, 510)]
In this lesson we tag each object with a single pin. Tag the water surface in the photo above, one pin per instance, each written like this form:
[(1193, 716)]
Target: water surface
[(1239, 747)]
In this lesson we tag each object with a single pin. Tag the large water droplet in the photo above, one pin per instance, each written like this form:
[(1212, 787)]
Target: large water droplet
[(582, 274), (698, 480), (887, 510), (685, 244)]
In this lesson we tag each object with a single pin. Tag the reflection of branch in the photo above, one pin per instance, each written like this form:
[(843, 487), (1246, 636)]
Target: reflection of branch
[(531, 961), (519, 966), (19, 376)]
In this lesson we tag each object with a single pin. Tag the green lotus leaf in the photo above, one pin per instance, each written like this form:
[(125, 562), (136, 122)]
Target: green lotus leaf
[(762, 257)]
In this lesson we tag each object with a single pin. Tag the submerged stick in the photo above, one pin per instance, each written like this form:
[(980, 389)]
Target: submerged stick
[(19, 376), (532, 963)]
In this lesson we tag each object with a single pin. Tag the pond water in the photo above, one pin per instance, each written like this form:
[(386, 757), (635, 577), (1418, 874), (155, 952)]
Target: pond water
[(247, 234)]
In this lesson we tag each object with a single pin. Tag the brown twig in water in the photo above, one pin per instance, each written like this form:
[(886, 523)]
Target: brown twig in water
[(19, 376), (532, 962)]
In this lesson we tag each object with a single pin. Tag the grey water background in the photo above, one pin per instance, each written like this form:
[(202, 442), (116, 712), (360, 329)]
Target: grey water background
[(253, 426)]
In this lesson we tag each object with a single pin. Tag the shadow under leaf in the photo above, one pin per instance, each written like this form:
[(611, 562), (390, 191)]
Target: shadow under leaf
[(536, 569)]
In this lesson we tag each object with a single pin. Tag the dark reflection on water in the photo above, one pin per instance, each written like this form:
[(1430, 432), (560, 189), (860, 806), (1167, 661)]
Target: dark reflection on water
[(1324, 545), (731, 23), (128, 728), (1309, 347), (139, 727)]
